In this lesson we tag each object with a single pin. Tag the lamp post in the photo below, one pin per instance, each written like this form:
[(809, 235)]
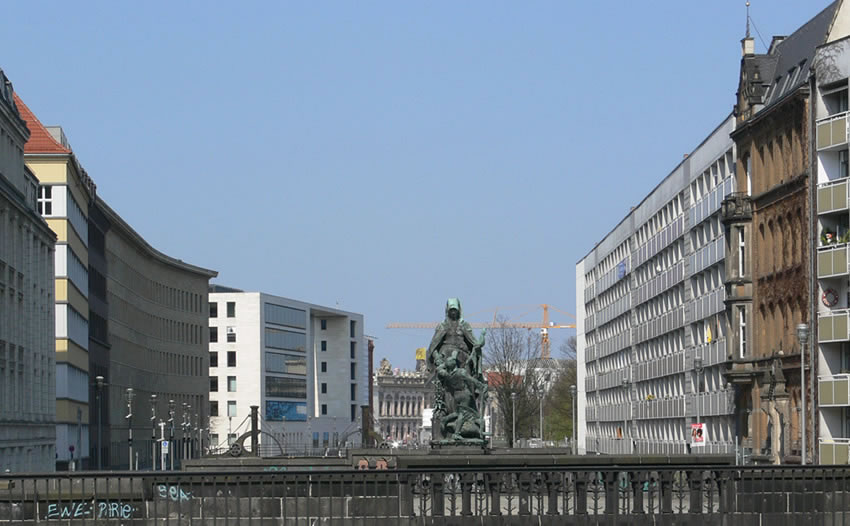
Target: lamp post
[(803, 338), (698, 367), (626, 383), (130, 423), (573, 398), (513, 418), (171, 434), (98, 393), (153, 432)]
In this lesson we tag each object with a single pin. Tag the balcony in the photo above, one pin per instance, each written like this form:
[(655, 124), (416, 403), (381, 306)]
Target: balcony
[(832, 261), (833, 327), (832, 132), (736, 207), (834, 391), (835, 450), (832, 196)]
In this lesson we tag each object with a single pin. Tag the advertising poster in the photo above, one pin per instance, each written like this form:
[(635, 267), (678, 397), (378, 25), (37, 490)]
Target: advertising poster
[(697, 435)]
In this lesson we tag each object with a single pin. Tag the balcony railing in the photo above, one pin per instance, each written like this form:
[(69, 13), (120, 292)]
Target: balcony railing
[(832, 261), (832, 131), (834, 391), (835, 450), (833, 327), (832, 196)]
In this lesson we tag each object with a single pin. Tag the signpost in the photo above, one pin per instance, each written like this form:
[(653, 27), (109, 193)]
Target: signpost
[(164, 450)]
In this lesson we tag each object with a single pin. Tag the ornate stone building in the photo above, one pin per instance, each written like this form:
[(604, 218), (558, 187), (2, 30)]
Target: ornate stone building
[(402, 400), (767, 242)]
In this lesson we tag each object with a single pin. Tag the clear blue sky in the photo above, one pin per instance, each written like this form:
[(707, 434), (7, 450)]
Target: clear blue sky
[(384, 155)]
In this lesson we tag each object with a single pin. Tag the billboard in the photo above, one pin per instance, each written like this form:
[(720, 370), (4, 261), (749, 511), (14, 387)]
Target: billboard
[(285, 411), (697, 435)]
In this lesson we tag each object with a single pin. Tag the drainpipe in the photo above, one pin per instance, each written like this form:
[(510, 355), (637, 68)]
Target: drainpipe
[(813, 324)]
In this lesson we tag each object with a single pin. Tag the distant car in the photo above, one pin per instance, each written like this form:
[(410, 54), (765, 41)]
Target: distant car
[(535, 442)]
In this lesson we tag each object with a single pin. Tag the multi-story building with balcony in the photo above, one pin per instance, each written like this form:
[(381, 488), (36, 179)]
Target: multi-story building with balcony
[(831, 165), (27, 357), (651, 332), (303, 365)]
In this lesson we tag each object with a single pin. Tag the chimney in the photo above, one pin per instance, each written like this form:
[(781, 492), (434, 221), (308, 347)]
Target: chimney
[(748, 46), (775, 42)]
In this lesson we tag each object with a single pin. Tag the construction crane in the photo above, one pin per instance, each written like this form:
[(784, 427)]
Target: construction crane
[(544, 326)]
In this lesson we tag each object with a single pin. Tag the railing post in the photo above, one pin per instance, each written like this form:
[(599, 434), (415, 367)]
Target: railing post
[(695, 485), (438, 502), (611, 492), (524, 493), (666, 487), (466, 495), (494, 489), (638, 479), (405, 495), (581, 493), (553, 484)]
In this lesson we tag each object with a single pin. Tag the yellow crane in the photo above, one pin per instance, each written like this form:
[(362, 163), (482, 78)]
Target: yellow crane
[(544, 325)]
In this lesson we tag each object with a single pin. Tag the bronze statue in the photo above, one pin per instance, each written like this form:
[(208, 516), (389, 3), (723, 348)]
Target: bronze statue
[(454, 357)]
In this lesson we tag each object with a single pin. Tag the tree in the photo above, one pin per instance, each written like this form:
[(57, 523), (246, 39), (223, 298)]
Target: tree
[(507, 354), (559, 402)]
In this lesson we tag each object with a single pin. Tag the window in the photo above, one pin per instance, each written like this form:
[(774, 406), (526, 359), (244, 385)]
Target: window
[(324, 345), (213, 384), (353, 350), (277, 387), (231, 437), (324, 388), (353, 370), (45, 200), (213, 309), (213, 408), (231, 408), (231, 384), (286, 363), (843, 163), (213, 439), (324, 367), (213, 359), (741, 252), (231, 335), (326, 437), (324, 409), (353, 392), (353, 326), (742, 331), (324, 324), (315, 439), (353, 412), (280, 315), (231, 309), (213, 334), (748, 173), (231, 358), (289, 340)]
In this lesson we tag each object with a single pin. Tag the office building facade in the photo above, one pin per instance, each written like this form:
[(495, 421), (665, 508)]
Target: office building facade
[(27, 356), (305, 366), (651, 333)]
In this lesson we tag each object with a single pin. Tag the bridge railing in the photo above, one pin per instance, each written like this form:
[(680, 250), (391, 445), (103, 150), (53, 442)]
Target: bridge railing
[(593, 495)]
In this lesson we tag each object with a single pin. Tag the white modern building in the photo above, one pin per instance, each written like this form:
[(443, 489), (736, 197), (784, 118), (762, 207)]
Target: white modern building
[(305, 367), (831, 163), (27, 357), (650, 310)]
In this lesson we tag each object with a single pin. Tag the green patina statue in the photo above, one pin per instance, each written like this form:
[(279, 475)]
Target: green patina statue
[(454, 358)]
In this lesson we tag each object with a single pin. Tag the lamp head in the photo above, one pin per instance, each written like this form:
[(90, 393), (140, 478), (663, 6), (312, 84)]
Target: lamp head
[(803, 333)]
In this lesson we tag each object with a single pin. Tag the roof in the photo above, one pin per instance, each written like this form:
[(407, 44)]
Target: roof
[(40, 140), (794, 55)]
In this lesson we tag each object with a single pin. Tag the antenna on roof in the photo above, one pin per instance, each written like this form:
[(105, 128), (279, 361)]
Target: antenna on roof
[(748, 20)]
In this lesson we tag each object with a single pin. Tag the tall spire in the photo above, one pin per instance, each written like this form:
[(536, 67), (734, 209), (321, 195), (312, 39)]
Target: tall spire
[(748, 20)]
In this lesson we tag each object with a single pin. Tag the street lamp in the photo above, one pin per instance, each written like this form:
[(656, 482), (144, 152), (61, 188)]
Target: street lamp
[(573, 397), (153, 432), (803, 338), (513, 417), (171, 433), (626, 383), (98, 393), (698, 368), (130, 423)]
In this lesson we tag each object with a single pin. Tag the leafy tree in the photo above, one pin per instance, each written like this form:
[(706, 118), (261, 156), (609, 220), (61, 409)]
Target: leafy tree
[(558, 406)]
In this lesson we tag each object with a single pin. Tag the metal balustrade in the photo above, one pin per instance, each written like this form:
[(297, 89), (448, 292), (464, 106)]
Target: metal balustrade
[(585, 494), (673, 407), (832, 131), (833, 327), (833, 196), (834, 450), (834, 390), (832, 261)]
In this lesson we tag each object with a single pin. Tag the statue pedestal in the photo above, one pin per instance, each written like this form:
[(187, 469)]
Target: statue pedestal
[(465, 445)]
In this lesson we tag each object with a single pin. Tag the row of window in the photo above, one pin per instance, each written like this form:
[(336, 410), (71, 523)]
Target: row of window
[(231, 334), (324, 407), (323, 367), (231, 358), (231, 384), (352, 351), (231, 408), (231, 309)]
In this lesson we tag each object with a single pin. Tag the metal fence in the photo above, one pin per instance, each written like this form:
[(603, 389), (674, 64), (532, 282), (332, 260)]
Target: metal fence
[(556, 495)]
